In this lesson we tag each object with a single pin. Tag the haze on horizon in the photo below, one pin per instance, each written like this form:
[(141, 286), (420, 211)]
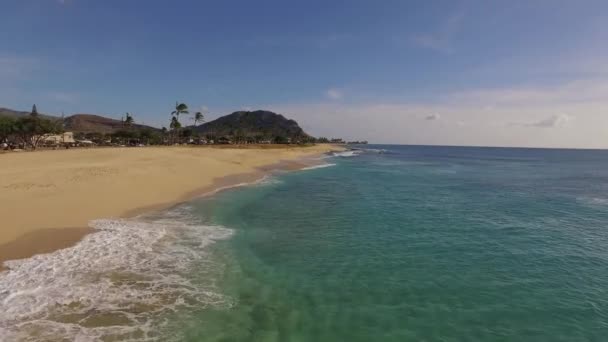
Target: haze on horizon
[(523, 73)]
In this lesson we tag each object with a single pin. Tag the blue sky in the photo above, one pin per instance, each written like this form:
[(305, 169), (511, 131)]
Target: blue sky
[(507, 73)]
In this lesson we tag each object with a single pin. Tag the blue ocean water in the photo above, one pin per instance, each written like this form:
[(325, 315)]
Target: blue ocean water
[(414, 243)]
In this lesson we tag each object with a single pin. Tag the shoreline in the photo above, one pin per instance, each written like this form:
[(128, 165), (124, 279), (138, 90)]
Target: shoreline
[(42, 240), (223, 183)]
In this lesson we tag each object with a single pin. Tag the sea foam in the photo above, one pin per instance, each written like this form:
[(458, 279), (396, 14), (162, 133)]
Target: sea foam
[(320, 166), (269, 180), (118, 283), (346, 154), (593, 201)]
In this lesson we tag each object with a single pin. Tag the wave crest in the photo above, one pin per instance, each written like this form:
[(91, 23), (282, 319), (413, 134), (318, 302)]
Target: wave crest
[(346, 154), (117, 283), (320, 166)]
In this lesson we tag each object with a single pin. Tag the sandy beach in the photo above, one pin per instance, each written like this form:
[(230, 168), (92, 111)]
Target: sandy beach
[(47, 198)]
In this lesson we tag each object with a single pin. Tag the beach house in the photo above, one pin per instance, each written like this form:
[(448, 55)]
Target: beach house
[(56, 139)]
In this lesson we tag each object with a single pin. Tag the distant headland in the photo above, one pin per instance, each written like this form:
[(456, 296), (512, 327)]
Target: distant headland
[(31, 130)]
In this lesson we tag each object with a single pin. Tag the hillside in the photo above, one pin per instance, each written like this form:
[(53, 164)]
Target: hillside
[(11, 113), (94, 123), (244, 123), (256, 123), (15, 113), (85, 123)]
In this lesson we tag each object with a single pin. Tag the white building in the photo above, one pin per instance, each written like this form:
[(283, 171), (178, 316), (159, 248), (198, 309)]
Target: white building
[(65, 138)]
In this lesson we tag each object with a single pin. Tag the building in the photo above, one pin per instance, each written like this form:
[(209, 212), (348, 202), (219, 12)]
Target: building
[(56, 139)]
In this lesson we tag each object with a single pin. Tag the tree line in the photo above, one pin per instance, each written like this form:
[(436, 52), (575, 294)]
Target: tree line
[(30, 130)]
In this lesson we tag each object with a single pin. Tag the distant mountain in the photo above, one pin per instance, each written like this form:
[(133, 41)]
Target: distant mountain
[(244, 123), (11, 113), (88, 123), (85, 123), (257, 123), (16, 114)]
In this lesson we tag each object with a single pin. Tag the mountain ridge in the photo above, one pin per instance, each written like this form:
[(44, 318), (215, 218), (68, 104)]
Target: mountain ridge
[(253, 123), (89, 123), (260, 124)]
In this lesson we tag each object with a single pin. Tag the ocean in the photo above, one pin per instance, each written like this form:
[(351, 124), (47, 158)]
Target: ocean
[(387, 243)]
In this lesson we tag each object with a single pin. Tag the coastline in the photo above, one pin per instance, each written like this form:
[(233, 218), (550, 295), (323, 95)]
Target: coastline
[(29, 200)]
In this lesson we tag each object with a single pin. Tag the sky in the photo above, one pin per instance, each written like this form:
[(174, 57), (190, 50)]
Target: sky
[(528, 73)]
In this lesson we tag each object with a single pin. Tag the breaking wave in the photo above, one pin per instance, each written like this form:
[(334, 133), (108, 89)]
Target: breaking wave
[(269, 180), (374, 150), (346, 154), (321, 166), (119, 283)]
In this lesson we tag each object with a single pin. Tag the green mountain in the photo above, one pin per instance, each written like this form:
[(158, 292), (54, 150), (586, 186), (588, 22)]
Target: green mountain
[(257, 123)]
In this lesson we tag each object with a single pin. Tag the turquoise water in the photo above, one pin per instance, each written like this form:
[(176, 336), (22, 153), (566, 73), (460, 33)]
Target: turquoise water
[(416, 244)]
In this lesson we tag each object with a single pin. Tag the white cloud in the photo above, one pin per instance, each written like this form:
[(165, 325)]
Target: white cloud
[(559, 120), (488, 117), (574, 91), (334, 94)]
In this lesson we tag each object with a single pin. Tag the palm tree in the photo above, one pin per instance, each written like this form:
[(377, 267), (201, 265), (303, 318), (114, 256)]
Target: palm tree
[(198, 117), (180, 108), (128, 120), (174, 126)]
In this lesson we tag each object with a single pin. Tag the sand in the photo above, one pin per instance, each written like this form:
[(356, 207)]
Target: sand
[(47, 198)]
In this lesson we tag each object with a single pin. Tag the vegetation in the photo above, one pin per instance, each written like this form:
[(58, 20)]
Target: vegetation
[(175, 125), (126, 137), (7, 127), (29, 130), (198, 117), (258, 126), (129, 120), (180, 108), (280, 140)]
